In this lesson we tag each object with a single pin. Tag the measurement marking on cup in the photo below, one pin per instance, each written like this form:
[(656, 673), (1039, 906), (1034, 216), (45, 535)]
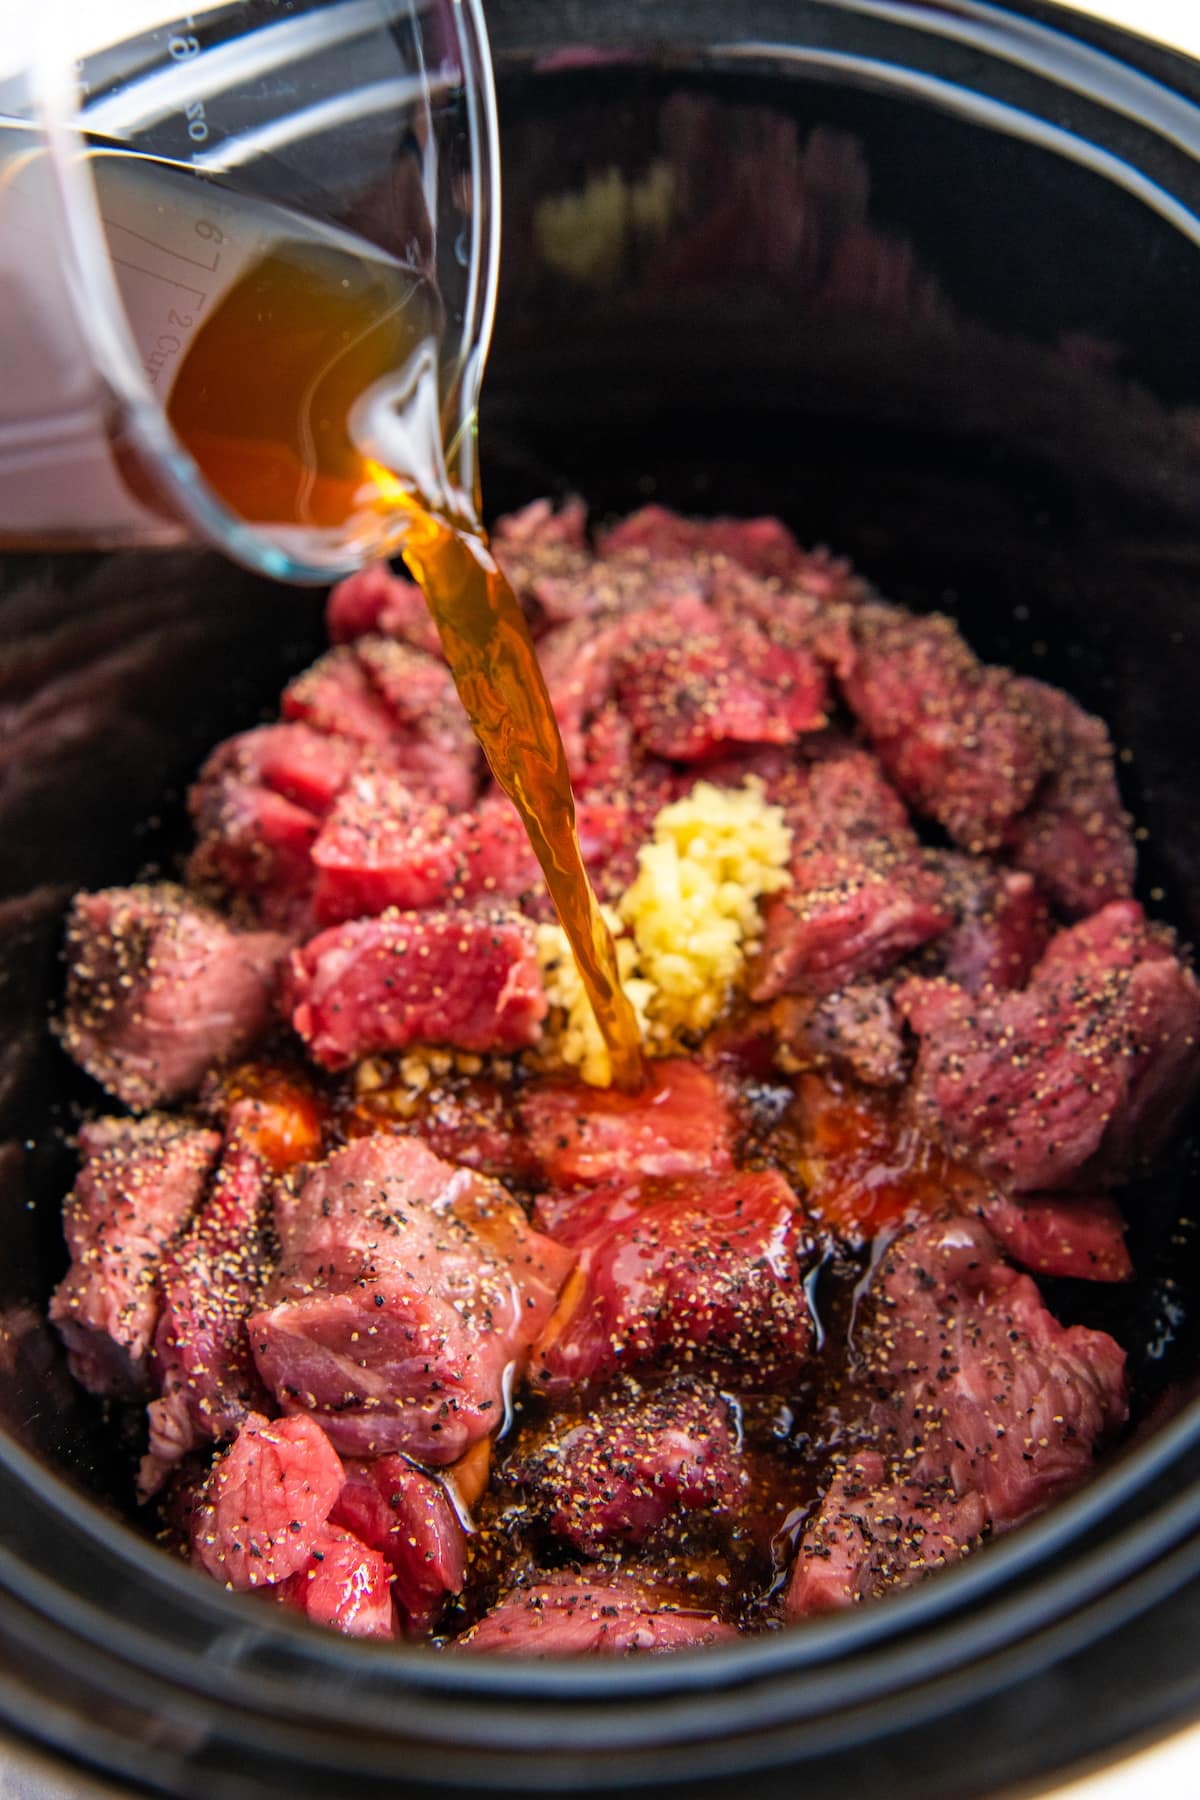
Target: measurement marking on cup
[(153, 274), (175, 255), (167, 347)]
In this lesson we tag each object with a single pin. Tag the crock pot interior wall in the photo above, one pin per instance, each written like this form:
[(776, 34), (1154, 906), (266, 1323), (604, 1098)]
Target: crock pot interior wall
[(993, 408)]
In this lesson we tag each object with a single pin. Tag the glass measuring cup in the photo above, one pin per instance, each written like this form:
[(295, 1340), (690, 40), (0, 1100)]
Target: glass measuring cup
[(247, 272)]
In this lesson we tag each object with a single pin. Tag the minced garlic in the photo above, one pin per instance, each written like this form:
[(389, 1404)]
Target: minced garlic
[(683, 928), (574, 1034)]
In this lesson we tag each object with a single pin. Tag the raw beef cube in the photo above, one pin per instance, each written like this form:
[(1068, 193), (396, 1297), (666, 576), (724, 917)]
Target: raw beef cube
[(432, 736), (1075, 837), (209, 1278), (857, 1028), (765, 546), (562, 587), (581, 662), (614, 1476), (376, 602), (977, 1382), (862, 892), (400, 704), (545, 555), (405, 1290), (383, 846), (603, 756), (344, 1585), (541, 524), (678, 1125), (160, 988), (257, 808), (337, 696), (409, 1518), (574, 1615), (467, 1120), (692, 686), (471, 980), (263, 1508), (1087, 1069), (873, 1534), (138, 1182), (307, 767), (1002, 927), (701, 1274), (958, 739), (811, 611), (1076, 1235)]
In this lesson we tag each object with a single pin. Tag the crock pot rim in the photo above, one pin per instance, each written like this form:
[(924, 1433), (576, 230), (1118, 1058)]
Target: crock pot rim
[(817, 1644), (786, 1653)]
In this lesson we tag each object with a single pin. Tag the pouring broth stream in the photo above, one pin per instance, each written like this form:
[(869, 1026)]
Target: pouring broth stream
[(288, 397)]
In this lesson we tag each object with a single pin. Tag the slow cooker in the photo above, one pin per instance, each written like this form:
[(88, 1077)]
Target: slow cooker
[(923, 280)]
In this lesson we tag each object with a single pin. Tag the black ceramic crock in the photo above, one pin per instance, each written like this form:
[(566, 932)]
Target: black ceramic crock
[(924, 280)]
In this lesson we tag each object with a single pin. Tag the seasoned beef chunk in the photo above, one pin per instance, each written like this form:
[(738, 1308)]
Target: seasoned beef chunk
[(612, 1477), (257, 808), (692, 685), (138, 1182), (700, 1274), (545, 555), (337, 696), (857, 1029), (582, 663), (160, 988), (862, 893), (470, 1120), (866, 1168), (542, 525), (307, 767), (675, 666), (976, 1382), (764, 546), (958, 739), (690, 681), (209, 1278), (405, 1290), (560, 586), (1076, 836), (408, 1518), (344, 1585), (1086, 1069), (678, 1125), (872, 1534), (263, 1508), (582, 1615), (811, 611), (1076, 1235), (376, 602), (384, 846), (1001, 929), (470, 980), (402, 705)]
